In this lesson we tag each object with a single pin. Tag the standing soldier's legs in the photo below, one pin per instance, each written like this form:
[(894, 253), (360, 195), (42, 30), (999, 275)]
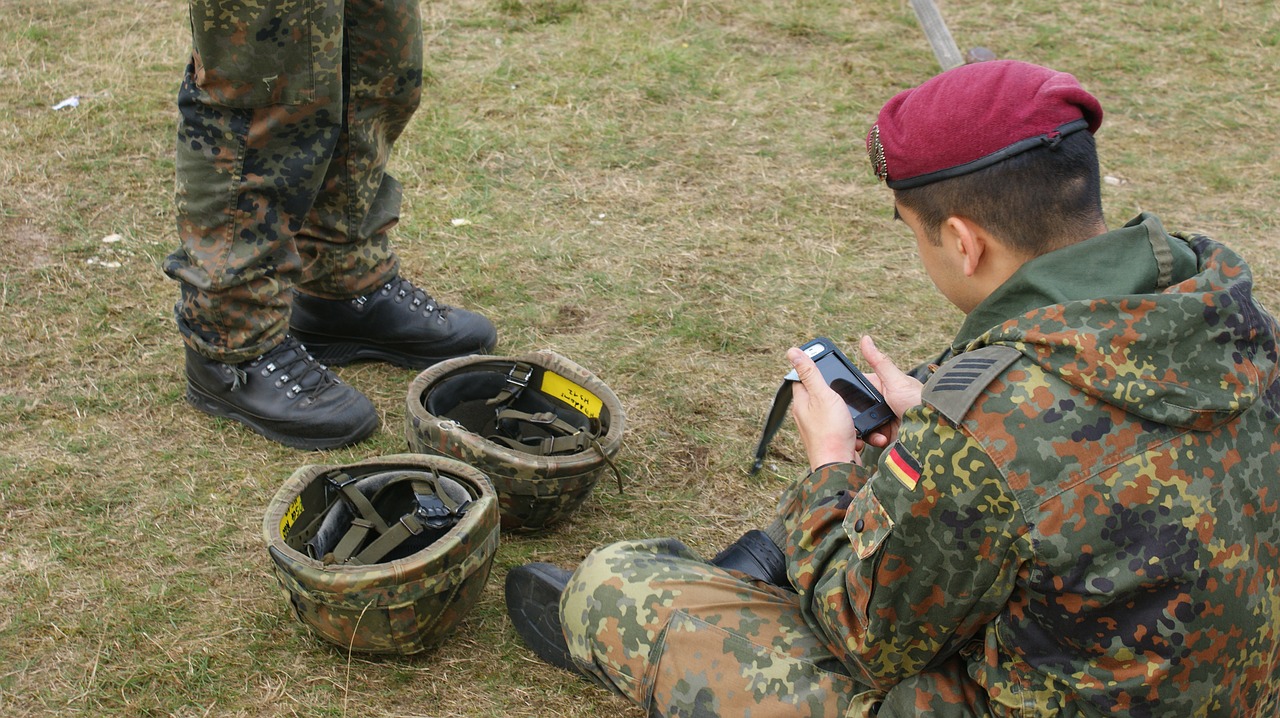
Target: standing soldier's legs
[(678, 636), (288, 113)]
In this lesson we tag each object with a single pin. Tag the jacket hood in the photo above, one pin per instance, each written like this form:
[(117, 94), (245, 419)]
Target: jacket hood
[(1170, 331)]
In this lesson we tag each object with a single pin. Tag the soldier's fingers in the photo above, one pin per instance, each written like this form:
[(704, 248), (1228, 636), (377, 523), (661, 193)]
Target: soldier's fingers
[(880, 363), (900, 390)]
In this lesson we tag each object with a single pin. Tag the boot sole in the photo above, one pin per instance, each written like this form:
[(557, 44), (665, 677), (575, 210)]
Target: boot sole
[(214, 407), (533, 603)]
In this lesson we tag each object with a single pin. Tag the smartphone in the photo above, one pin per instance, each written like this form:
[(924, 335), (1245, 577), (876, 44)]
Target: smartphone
[(866, 404)]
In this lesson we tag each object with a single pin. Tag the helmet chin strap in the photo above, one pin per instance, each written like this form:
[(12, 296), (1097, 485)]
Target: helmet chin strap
[(435, 509), (565, 438)]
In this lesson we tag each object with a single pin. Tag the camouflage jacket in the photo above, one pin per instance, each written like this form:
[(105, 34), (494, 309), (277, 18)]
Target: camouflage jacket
[(1084, 513)]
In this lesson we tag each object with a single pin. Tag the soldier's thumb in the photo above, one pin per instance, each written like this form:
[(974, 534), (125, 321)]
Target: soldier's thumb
[(804, 366)]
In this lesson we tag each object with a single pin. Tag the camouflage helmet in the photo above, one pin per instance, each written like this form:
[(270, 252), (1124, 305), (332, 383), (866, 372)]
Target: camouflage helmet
[(385, 555), (541, 427)]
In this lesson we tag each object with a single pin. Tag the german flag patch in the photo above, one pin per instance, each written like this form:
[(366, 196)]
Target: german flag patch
[(904, 466)]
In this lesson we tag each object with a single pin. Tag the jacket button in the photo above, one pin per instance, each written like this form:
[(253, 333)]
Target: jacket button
[(858, 526)]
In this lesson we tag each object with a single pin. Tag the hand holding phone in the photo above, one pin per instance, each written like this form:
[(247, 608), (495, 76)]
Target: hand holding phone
[(866, 405)]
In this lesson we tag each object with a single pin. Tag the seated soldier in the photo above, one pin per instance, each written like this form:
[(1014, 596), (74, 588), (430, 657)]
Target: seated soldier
[(1077, 514)]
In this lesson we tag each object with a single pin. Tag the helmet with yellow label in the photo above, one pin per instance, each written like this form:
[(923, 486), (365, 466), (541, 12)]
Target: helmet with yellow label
[(385, 555), (541, 427)]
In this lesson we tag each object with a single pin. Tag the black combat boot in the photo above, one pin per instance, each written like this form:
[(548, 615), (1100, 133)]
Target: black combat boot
[(398, 323), (285, 395), (756, 555), (533, 602)]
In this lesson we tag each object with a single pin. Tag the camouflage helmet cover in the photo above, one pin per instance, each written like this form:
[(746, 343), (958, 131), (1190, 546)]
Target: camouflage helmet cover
[(452, 411), (401, 606)]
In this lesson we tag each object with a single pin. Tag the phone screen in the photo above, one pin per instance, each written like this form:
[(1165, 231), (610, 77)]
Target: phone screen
[(845, 383)]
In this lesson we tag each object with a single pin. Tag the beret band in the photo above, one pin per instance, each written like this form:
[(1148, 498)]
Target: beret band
[(974, 116)]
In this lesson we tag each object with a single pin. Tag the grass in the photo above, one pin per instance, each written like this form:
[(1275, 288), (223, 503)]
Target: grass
[(670, 193)]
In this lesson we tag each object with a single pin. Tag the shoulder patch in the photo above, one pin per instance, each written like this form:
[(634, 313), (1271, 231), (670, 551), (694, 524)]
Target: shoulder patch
[(957, 384)]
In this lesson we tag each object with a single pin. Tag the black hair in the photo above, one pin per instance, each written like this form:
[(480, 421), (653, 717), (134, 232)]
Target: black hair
[(1034, 202)]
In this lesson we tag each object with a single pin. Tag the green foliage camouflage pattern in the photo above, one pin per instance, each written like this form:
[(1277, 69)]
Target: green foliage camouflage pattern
[(280, 180), (534, 492), (397, 607), (648, 620), (1094, 531)]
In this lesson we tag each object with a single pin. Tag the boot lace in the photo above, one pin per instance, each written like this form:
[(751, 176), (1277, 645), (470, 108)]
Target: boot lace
[(292, 368), (402, 291)]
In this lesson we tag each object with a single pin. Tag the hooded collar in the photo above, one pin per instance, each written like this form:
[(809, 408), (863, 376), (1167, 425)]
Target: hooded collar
[(1163, 326)]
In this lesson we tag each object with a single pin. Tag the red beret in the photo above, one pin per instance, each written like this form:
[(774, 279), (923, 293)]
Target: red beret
[(973, 116)]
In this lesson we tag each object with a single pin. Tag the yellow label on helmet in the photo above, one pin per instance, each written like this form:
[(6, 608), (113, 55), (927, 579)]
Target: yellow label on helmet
[(571, 394), (290, 516)]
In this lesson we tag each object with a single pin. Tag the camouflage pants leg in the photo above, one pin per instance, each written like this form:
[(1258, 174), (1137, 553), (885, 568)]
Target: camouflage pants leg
[(343, 243), (680, 637), (288, 110)]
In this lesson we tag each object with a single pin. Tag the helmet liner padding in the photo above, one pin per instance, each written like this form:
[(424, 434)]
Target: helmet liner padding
[(338, 519), (468, 399)]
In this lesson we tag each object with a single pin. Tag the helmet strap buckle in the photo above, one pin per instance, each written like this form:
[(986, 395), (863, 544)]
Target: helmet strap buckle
[(574, 443), (518, 377), (412, 524), (434, 513)]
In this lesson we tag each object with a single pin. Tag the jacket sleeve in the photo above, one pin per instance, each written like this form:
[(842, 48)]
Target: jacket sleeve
[(905, 565)]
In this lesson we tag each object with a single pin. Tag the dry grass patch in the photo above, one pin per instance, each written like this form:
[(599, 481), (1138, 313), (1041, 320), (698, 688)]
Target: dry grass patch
[(669, 193)]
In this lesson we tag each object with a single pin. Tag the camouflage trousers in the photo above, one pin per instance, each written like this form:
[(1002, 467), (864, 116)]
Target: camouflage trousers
[(655, 623), (288, 112)]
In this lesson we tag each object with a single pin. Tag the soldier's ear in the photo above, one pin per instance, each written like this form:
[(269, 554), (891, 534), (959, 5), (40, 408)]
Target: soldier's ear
[(967, 240)]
